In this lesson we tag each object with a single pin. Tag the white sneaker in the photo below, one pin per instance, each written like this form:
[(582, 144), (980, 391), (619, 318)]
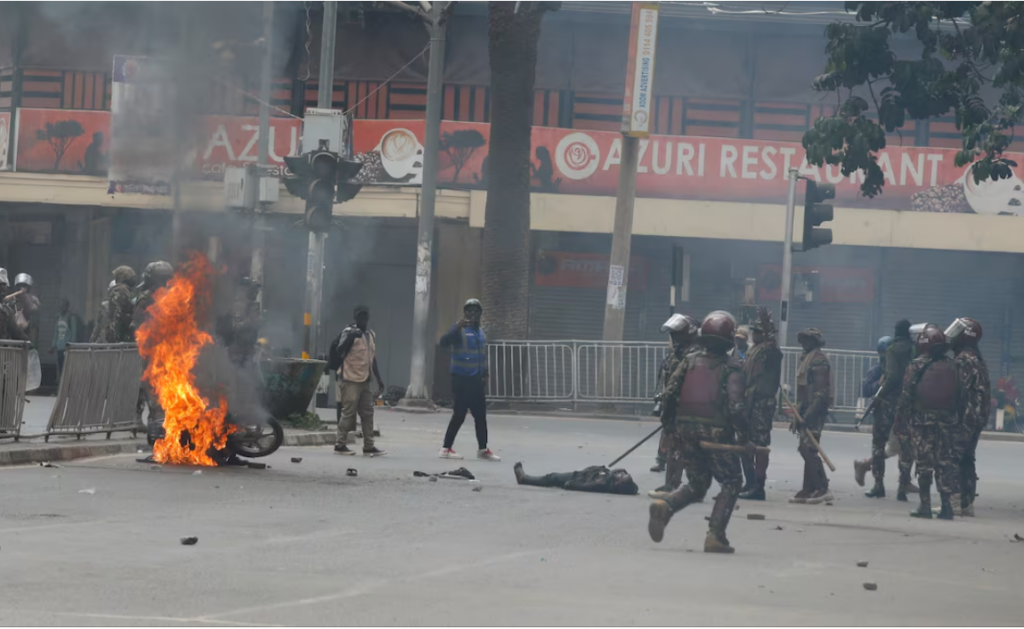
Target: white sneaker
[(448, 453), (488, 455)]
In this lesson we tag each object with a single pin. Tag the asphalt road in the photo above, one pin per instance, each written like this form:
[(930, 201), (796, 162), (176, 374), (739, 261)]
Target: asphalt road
[(303, 544)]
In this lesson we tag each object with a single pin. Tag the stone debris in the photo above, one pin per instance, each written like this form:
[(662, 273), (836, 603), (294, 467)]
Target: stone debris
[(478, 488), (870, 587), (257, 466), (755, 516), (778, 528), (296, 459), (48, 464), (91, 490), (351, 472), (1017, 537), (189, 541), (862, 564), (197, 473)]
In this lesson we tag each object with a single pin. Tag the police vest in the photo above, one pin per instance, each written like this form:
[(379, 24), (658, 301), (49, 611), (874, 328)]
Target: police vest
[(470, 358), (937, 387), (700, 396)]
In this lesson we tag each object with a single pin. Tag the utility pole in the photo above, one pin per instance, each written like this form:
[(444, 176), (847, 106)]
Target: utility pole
[(787, 259), (637, 112), (425, 243), (260, 224), (317, 241), (622, 236)]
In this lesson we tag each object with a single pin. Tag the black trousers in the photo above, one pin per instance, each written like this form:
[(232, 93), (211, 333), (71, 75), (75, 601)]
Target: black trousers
[(468, 393), (554, 479)]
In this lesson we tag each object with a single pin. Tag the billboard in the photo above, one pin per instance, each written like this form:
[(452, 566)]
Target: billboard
[(679, 167), (77, 142)]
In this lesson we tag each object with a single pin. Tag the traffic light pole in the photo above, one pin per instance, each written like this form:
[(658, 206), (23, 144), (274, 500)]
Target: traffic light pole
[(318, 241), (425, 243), (787, 260), (258, 233)]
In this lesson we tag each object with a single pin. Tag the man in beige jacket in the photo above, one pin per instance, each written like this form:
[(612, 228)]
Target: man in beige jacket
[(353, 354)]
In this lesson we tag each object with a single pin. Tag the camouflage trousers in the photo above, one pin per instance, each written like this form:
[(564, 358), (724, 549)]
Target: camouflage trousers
[(155, 424), (703, 465), (815, 477), (964, 456), (881, 435), (670, 453), (935, 447), (762, 413)]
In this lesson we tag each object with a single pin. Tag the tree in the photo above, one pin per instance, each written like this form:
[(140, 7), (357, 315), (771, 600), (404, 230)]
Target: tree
[(460, 146), (969, 51), (512, 37), (60, 136)]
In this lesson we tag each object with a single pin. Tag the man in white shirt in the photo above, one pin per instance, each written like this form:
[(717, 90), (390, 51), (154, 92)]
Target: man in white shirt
[(353, 354)]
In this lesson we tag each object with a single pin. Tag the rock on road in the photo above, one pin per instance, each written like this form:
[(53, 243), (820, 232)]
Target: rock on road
[(304, 544)]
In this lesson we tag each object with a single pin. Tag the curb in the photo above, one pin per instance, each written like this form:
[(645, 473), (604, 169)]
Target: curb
[(310, 439), (55, 453), (49, 454)]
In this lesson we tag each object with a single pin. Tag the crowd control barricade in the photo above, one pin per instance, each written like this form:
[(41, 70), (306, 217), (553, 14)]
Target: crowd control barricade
[(13, 376), (531, 371), (627, 372), (98, 391)]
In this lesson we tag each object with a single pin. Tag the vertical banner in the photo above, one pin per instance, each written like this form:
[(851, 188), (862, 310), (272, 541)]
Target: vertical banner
[(639, 97), (143, 136), (6, 140)]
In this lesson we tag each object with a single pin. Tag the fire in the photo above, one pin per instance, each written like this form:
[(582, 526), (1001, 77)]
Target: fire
[(170, 341)]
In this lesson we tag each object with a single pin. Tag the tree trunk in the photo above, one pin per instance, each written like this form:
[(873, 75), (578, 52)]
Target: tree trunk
[(506, 245)]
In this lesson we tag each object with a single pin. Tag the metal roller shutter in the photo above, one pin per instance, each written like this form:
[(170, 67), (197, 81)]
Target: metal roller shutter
[(938, 286)]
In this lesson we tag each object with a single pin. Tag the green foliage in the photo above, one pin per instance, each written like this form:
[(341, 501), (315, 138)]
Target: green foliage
[(304, 421), (966, 47)]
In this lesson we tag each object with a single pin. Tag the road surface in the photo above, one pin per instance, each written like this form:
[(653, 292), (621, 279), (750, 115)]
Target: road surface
[(304, 544)]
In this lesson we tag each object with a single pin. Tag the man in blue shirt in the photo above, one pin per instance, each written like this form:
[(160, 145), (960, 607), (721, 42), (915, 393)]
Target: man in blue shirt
[(469, 379)]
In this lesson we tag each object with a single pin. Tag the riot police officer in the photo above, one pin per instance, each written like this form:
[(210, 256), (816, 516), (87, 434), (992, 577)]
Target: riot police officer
[(975, 406), (683, 331), (928, 406), (709, 408)]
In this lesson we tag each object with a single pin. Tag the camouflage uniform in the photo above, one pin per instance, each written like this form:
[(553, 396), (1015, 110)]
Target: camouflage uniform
[(933, 432), (975, 406), (693, 426), (897, 358), (147, 395), (245, 331), (121, 308), (814, 397), (763, 372), (668, 446), (99, 328)]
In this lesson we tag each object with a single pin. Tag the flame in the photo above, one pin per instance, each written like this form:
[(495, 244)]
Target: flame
[(170, 341)]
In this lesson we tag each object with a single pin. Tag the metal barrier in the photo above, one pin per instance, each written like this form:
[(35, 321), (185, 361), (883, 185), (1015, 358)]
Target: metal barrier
[(13, 376), (627, 372), (98, 391)]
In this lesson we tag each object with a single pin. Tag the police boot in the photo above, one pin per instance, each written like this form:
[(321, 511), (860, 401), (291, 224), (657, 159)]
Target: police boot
[(925, 509), (947, 511), (903, 489), (659, 465), (716, 541), (878, 491), (661, 510)]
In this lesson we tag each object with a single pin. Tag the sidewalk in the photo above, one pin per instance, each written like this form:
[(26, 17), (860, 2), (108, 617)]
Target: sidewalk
[(33, 449)]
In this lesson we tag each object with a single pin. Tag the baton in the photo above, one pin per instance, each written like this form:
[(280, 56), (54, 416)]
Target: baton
[(13, 295), (807, 433), (640, 443), (728, 447)]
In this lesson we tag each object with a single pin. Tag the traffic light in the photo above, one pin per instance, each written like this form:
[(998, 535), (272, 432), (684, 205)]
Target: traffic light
[(347, 169), (816, 213), (321, 177)]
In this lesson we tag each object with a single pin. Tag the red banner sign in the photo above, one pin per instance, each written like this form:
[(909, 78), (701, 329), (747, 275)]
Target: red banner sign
[(77, 142), (585, 270), (680, 167), (836, 284)]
